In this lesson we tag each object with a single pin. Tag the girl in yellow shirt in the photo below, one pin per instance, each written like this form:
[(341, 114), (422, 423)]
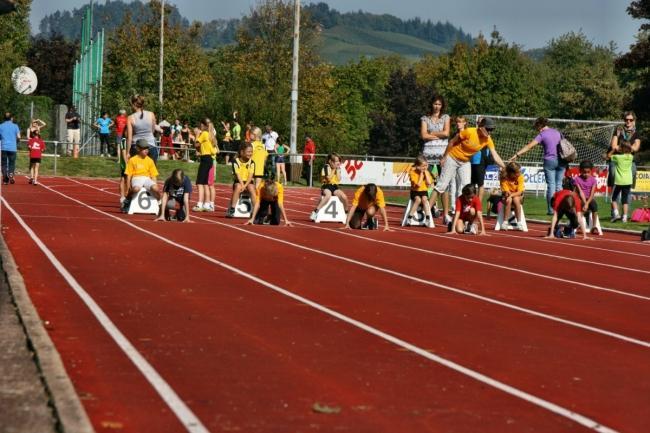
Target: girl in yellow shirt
[(206, 144), (512, 189), (421, 179), (330, 178), (243, 170)]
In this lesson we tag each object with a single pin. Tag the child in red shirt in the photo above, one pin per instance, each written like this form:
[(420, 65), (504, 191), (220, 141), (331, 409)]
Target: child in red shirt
[(36, 147), (567, 203), (468, 210)]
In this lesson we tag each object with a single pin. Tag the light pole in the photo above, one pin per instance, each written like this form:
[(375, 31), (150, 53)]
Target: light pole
[(162, 50), (294, 82)]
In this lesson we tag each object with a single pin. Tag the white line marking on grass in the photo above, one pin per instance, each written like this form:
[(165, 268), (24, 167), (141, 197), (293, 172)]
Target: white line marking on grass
[(169, 396), (508, 389)]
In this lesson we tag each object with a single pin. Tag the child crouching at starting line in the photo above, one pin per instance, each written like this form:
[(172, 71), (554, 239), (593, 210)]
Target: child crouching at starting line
[(367, 199), (468, 210), (567, 203), (270, 199), (175, 203)]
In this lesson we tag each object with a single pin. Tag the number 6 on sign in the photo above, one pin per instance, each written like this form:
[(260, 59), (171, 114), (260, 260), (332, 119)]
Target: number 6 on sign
[(332, 212), (144, 203)]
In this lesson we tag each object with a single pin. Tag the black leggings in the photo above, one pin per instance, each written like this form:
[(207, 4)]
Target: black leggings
[(103, 143), (263, 211)]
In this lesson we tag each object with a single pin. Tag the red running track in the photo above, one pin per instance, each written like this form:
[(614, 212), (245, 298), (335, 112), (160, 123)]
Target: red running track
[(570, 339)]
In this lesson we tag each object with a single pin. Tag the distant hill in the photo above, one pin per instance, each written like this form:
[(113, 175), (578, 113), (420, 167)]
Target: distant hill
[(346, 36), (341, 44)]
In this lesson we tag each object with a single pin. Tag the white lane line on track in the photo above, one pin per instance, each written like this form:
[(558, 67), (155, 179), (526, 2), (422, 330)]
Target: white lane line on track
[(169, 396), (311, 226), (545, 404)]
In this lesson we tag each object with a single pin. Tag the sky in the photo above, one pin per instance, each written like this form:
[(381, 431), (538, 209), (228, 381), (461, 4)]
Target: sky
[(530, 23)]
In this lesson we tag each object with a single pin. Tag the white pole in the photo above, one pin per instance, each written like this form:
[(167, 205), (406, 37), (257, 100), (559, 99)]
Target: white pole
[(294, 81), (162, 50)]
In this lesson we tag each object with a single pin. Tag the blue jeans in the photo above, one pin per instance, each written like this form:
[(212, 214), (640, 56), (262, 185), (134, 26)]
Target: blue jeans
[(8, 164), (554, 172)]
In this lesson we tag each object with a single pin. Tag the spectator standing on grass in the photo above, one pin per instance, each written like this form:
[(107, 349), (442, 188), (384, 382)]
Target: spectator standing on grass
[(435, 128), (269, 139), (175, 202), (103, 124), (236, 134), (554, 166), (9, 136), (166, 142), (227, 140), (308, 156), (141, 125), (586, 184), (36, 146), (120, 128), (624, 134), (455, 161), (280, 164), (622, 179), (73, 125), (186, 140)]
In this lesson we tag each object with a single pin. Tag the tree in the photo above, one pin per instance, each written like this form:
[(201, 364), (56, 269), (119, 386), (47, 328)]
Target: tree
[(396, 130), (494, 77), (634, 66), (132, 67), (254, 76), (581, 79), (14, 42), (53, 61)]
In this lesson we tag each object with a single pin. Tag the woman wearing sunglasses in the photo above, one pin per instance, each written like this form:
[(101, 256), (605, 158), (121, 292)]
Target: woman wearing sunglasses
[(624, 134)]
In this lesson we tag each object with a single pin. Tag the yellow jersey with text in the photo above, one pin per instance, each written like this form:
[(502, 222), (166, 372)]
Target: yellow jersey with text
[(245, 169)]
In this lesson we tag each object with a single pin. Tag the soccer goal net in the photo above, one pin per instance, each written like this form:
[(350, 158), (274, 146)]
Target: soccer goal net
[(590, 138)]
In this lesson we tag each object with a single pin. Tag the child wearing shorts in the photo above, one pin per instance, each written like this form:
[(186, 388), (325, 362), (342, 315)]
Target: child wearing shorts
[(140, 173), (468, 211), (36, 147), (512, 190), (367, 200), (259, 155), (206, 145), (586, 185), (421, 179), (623, 179), (243, 170), (330, 177)]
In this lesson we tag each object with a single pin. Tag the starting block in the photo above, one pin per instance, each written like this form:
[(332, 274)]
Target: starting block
[(511, 224), (592, 226), (144, 203), (244, 207), (419, 218), (332, 212)]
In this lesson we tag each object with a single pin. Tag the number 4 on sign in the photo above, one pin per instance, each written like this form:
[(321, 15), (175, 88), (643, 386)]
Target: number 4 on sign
[(144, 203), (332, 212)]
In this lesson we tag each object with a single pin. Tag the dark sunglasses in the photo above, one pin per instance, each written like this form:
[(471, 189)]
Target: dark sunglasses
[(629, 120)]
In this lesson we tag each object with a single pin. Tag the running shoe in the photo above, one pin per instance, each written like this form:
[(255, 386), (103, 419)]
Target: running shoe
[(313, 216), (11, 179), (624, 218), (473, 229), (197, 208)]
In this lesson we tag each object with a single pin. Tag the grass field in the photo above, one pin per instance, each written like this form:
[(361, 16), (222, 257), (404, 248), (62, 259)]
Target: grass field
[(108, 167)]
